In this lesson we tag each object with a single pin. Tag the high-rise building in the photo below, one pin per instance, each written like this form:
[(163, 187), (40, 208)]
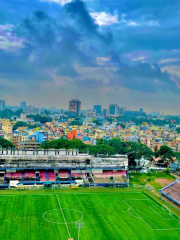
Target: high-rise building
[(97, 109), (74, 108), (2, 105), (105, 112), (122, 110), (23, 105), (141, 110), (113, 109)]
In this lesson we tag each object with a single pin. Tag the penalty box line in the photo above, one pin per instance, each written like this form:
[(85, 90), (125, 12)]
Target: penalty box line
[(63, 216), (139, 216), (161, 208), (160, 214), (146, 222)]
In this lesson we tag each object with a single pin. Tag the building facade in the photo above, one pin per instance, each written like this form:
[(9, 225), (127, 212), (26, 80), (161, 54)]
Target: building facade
[(105, 112), (98, 109), (23, 105), (2, 105), (74, 108), (113, 109)]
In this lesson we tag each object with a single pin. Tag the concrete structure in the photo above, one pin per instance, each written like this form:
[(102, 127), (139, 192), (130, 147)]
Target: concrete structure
[(74, 108), (29, 145), (105, 112), (6, 126), (2, 105), (60, 157), (23, 105), (97, 109), (41, 136), (22, 116), (122, 110), (113, 110)]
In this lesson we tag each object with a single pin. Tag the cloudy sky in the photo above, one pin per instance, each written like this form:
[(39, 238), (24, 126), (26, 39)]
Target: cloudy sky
[(125, 52)]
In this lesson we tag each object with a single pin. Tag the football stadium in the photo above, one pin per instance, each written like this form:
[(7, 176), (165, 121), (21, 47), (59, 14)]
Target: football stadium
[(86, 214), (63, 194)]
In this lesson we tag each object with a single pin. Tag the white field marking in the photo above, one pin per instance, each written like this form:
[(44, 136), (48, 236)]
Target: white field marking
[(148, 224), (63, 209), (160, 214), (138, 215), (131, 214), (138, 199), (166, 229), (162, 209), (63, 216), (44, 194)]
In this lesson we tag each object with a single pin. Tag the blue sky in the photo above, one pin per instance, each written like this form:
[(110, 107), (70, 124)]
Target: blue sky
[(105, 51)]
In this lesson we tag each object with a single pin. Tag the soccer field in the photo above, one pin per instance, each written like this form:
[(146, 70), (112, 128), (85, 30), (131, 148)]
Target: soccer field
[(106, 215)]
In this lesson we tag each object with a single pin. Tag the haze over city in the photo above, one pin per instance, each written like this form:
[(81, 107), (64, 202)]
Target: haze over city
[(121, 52)]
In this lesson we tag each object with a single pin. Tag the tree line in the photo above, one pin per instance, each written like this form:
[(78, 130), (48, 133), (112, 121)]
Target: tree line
[(109, 147), (132, 149)]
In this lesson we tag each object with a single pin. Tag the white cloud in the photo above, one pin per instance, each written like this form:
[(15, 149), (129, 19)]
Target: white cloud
[(104, 19), (10, 45), (102, 60), (128, 23), (61, 2), (132, 23), (7, 41), (170, 60), (138, 59)]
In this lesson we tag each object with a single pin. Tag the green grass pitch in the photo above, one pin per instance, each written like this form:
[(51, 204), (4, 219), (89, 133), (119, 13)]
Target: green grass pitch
[(107, 215)]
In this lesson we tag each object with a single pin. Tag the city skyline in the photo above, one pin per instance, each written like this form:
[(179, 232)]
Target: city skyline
[(74, 109), (117, 52)]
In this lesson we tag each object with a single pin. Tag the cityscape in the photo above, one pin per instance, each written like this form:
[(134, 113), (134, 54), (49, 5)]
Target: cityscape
[(89, 120)]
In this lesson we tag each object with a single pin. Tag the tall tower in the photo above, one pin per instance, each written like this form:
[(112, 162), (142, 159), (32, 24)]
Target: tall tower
[(2, 105), (113, 109), (74, 108)]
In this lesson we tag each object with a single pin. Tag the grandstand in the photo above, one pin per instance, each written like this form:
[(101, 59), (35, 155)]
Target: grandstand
[(172, 191), (62, 166)]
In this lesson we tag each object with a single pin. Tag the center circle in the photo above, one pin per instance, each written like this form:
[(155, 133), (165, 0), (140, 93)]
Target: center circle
[(59, 216)]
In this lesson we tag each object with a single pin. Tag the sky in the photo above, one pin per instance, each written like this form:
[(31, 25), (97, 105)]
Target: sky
[(124, 52)]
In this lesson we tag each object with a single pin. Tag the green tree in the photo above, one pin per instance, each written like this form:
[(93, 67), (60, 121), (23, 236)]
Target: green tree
[(178, 129), (7, 113), (19, 124), (156, 152), (167, 170), (97, 122), (23, 124), (166, 153), (120, 147), (76, 123), (101, 149), (4, 143), (39, 118)]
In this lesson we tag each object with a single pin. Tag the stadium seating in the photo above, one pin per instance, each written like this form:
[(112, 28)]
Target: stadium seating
[(63, 173), (104, 177), (8, 175), (76, 176), (43, 176), (51, 176), (173, 191), (16, 175), (29, 175)]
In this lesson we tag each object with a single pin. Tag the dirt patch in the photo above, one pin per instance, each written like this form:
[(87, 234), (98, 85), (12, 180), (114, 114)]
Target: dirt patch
[(164, 182)]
